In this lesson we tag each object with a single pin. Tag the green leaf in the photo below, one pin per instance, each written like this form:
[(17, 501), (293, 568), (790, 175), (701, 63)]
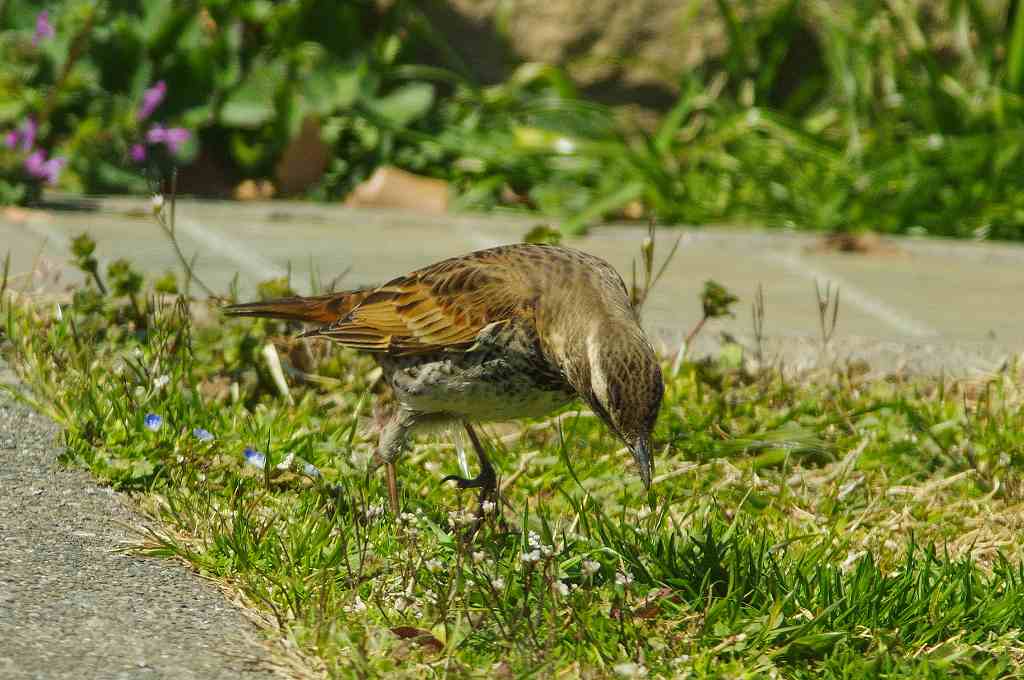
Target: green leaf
[(628, 192), (1015, 58), (405, 104), (252, 104), (332, 87)]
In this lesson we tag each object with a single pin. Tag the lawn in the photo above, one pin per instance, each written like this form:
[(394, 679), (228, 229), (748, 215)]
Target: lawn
[(830, 523)]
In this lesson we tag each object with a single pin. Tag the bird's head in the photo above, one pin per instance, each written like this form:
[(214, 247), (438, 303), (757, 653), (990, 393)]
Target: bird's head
[(620, 378)]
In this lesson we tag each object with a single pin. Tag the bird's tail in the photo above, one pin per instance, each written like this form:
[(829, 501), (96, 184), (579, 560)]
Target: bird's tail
[(323, 309)]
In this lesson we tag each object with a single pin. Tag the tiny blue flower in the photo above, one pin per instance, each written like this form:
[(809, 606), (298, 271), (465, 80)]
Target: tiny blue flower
[(310, 470), (153, 422), (202, 435), (255, 458)]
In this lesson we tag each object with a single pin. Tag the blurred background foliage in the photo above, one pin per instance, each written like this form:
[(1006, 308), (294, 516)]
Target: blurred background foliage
[(901, 116)]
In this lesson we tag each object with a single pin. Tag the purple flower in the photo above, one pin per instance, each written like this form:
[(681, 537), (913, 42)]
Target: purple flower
[(44, 29), (137, 153), (35, 163), (176, 138), (202, 435), (39, 167), (153, 422), (172, 137), (25, 135), (255, 458), (151, 99), (28, 133)]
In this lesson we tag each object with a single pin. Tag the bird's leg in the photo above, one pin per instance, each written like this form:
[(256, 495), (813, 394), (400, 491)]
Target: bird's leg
[(486, 481), (392, 487), (393, 439)]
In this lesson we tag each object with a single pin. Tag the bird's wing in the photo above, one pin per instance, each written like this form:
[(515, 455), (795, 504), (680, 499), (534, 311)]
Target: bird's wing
[(444, 306), (316, 309)]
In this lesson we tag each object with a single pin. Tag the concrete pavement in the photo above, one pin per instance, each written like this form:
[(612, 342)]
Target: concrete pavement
[(72, 606), (924, 305)]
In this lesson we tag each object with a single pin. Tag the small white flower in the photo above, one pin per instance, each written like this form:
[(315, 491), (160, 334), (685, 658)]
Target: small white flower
[(161, 381), (158, 203), (286, 464), (479, 556), (623, 578), (498, 583), (137, 352), (434, 565), (561, 588), (374, 511), (590, 567), (357, 606), (533, 539), (487, 507), (530, 557), (564, 145), (457, 517), (935, 141)]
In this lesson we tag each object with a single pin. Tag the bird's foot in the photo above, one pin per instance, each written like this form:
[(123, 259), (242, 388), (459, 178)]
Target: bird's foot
[(486, 481)]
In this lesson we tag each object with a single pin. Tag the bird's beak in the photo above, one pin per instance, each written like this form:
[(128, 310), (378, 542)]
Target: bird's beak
[(641, 451)]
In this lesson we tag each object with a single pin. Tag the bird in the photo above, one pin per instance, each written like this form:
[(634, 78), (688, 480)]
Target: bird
[(508, 332)]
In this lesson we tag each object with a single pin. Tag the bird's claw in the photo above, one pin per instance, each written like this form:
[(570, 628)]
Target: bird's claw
[(482, 481)]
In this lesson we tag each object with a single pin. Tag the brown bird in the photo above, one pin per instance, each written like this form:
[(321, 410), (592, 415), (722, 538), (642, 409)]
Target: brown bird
[(509, 332)]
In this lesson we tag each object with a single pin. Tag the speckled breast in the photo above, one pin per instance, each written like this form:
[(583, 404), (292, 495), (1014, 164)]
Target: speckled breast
[(503, 376)]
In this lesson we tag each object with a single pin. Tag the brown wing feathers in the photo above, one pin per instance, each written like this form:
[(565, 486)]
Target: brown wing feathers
[(316, 309), (444, 306)]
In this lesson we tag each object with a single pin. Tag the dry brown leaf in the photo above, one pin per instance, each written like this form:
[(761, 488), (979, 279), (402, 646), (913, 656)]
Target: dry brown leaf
[(304, 159), (419, 636), (255, 190), (391, 187)]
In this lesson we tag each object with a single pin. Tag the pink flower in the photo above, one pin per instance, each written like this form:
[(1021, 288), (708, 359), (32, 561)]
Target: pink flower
[(151, 99), (174, 138), (25, 135), (137, 153), (28, 133), (39, 167), (44, 29), (35, 162)]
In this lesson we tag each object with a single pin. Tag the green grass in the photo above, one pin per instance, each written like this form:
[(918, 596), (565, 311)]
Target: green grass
[(821, 525)]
